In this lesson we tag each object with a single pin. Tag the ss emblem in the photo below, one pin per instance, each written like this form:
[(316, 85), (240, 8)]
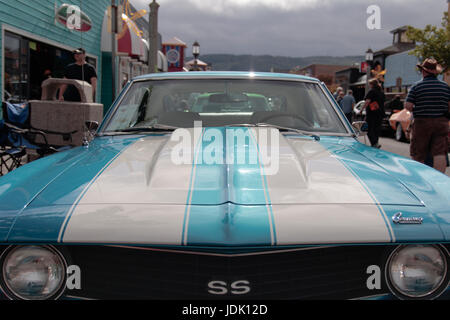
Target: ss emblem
[(236, 287)]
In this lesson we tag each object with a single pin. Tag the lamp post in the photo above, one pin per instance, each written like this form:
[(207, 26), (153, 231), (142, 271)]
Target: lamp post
[(153, 37), (195, 53), (369, 60)]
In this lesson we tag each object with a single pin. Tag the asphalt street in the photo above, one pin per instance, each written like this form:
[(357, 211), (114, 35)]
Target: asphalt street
[(392, 145)]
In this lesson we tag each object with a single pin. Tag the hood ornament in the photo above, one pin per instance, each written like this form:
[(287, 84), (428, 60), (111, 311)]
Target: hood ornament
[(398, 219)]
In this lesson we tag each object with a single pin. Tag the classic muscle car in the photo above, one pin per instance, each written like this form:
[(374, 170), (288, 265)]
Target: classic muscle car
[(228, 201), (400, 122)]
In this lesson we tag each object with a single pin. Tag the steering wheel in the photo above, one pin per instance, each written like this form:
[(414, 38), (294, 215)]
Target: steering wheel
[(293, 115)]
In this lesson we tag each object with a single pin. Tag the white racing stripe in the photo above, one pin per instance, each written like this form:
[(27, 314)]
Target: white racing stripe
[(195, 160), (316, 199), (329, 224), (264, 184), (142, 180), (128, 223)]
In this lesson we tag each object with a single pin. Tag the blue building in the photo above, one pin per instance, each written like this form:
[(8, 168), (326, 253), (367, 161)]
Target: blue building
[(35, 46), (401, 72)]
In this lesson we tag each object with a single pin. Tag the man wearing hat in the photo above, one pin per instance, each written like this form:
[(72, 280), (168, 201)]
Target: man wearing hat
[(80, 70), (429, 100)]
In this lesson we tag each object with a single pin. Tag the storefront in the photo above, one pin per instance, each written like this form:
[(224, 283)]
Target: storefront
[(37, 43), (132, 55), (353, 79), (36, 46), (28, 62), (401, 72)]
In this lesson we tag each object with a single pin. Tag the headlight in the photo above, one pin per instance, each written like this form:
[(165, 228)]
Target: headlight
[(33, 273), (417, 271)]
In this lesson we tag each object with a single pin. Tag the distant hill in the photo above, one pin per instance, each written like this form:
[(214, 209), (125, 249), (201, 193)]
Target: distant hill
[(264, 63)]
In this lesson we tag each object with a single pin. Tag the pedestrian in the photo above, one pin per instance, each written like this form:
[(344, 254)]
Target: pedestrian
[(347, 104), (374, 111), (337, 92), (80, 70), (429, 101), (340, 97)]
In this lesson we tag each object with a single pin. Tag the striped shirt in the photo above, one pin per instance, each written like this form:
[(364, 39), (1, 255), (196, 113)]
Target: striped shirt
[(430, 98)]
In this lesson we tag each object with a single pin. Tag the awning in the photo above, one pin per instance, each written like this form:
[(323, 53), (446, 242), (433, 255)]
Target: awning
[(174, 42), (199, 63), (163, 65), (129, 42), (361, 81)]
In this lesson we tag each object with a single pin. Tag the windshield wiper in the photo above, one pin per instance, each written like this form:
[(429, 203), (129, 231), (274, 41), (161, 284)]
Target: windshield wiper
[(263, 124), (152, 128), (302, 132)]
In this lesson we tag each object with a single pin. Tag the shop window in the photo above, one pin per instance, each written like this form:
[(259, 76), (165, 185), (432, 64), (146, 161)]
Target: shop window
[(16, 68), (28, 63)]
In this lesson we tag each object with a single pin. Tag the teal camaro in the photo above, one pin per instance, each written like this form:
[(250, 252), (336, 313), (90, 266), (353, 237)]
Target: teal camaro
[(212, 185)]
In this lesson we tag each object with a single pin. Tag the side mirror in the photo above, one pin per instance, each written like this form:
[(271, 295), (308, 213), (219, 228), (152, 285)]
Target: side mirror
[(361, 127), (92, 126)]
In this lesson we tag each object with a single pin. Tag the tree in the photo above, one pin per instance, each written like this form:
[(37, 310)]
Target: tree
[(432, 42)]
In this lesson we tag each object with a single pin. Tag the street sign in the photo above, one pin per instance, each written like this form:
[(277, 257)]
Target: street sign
[(363, 67)]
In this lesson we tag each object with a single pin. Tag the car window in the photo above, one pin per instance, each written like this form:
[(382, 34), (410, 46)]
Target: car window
[(222, 102)]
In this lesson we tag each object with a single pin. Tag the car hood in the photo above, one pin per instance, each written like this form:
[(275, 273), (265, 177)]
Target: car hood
[(146, 172), (121, 188)]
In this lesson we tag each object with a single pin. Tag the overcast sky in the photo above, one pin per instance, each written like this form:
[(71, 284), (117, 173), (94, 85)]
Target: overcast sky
[(295, 28)]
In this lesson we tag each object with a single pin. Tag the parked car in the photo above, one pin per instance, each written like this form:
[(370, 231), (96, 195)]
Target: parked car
[(237, 203), (400, 122), (359, 112)]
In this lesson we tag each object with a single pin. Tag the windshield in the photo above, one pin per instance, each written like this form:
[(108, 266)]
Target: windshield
[(224, 102)]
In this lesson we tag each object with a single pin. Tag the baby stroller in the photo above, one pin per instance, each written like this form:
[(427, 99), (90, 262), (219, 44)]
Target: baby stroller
[(18, 140)]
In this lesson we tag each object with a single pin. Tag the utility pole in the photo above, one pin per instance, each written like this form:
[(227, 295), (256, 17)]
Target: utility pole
[(114, 28), (369, 60), (153, 41)]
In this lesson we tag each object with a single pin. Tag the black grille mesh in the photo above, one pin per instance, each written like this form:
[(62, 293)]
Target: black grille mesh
[(128, 273)]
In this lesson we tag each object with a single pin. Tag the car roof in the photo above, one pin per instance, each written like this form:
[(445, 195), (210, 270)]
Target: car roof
[(225, 74)]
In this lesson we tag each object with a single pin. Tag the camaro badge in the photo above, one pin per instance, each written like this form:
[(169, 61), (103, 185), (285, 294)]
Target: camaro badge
[(397, 218)]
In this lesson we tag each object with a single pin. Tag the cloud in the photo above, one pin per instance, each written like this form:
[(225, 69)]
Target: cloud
[(289, 27), (224, 6), (234, 6)]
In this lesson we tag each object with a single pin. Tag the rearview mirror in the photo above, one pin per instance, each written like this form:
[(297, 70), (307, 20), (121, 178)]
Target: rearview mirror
[(227, 98)]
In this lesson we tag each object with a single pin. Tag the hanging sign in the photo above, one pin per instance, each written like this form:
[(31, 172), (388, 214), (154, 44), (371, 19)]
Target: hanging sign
[(364, 67), (73, 18)]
